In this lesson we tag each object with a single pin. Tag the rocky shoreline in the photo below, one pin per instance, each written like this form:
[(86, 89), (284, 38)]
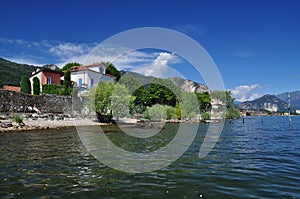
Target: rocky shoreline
[(34, 121)]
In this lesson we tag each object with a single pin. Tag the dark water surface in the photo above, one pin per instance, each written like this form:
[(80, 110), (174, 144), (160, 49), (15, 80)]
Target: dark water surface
[(251, 160)]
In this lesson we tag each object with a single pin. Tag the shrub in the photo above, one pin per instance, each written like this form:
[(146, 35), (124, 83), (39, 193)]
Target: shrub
[(156, 112), (36, 86), (18, 119), (205, 116), (52, 89), (25, 85)]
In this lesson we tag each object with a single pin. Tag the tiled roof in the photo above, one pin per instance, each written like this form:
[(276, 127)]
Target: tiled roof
[(12, 88)]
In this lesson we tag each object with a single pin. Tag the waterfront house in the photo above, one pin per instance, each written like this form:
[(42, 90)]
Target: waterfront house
[(48, 74), (87, 76)]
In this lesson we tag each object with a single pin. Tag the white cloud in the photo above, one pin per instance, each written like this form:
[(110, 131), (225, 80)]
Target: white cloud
[(57, 52), (159, 67), (70, 49), (245, 92)]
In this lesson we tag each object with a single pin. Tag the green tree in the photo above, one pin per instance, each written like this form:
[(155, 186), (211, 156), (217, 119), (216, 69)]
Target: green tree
[(142, 99), (224, 98), (36, 87), (189, 106), (67, 83), (25, 85), (102, 97), (112, 70), (1, 84), (177, 111), (232, 112), (69, 65), (204, 101), (171, 112), (120, 101)]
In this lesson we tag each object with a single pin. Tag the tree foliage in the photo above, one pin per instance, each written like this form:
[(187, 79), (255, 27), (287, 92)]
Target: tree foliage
[(156, 112), (204, 101), (120, 100), (1, 84), (102, 97), (67, 83), (69, 65), (224, 97), (11, 73), (162, 92), (189, 106), (36, 87), (112, 70), (25, 85), (52, 89)]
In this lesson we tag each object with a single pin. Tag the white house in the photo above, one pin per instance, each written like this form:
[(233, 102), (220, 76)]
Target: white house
[(90, 75)]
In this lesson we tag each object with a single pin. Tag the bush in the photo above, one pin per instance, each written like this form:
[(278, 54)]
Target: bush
[(171, 112), (18, 119), (205, 116), (52, 89), (156, 112)]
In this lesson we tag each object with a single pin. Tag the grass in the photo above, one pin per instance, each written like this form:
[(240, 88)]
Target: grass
[(18, 118)]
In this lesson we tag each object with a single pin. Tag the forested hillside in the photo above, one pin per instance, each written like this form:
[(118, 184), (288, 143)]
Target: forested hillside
[(11, 73)]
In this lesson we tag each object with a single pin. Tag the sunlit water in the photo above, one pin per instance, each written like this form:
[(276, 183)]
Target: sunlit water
[(251, 160)]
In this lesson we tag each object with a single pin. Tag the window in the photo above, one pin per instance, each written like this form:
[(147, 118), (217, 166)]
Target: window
[(49, 80), (92, 82), (80, 82)]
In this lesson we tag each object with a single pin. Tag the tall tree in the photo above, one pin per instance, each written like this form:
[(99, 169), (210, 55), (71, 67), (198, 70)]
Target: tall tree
[(120, 100), (112, 70), (36, 86), (189, 106), (25, 85), (102, 97), (204, 101), (67, 83)]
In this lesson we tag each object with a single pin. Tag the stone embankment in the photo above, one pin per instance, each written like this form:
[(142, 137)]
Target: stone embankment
[(42, 121)]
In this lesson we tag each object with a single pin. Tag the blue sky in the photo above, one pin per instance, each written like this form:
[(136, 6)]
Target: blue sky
[(255, 44)]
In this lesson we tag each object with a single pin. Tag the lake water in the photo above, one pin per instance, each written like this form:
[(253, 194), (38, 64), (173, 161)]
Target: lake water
[(251, 160)]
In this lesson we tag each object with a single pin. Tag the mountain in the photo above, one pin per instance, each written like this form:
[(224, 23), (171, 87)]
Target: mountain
[(295, 98), (266, 102), (11, 72), (183, 84), (188, 85)]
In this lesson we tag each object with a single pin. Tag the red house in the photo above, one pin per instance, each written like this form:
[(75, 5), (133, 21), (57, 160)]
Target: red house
[(48, 74)]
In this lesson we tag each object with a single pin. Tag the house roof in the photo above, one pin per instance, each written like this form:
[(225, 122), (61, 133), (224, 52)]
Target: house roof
[(87, 68), (49, 68)]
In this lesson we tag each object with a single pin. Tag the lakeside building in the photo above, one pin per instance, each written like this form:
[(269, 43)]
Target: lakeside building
[(48, 74), (85, 77)]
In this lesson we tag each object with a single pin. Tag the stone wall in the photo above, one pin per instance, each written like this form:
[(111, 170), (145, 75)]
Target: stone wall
[(11, 101)]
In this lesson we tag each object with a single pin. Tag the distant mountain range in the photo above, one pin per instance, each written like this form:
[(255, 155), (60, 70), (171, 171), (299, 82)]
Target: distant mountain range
[(183, 84), (11, 72), (266, 102), (294, 99)]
